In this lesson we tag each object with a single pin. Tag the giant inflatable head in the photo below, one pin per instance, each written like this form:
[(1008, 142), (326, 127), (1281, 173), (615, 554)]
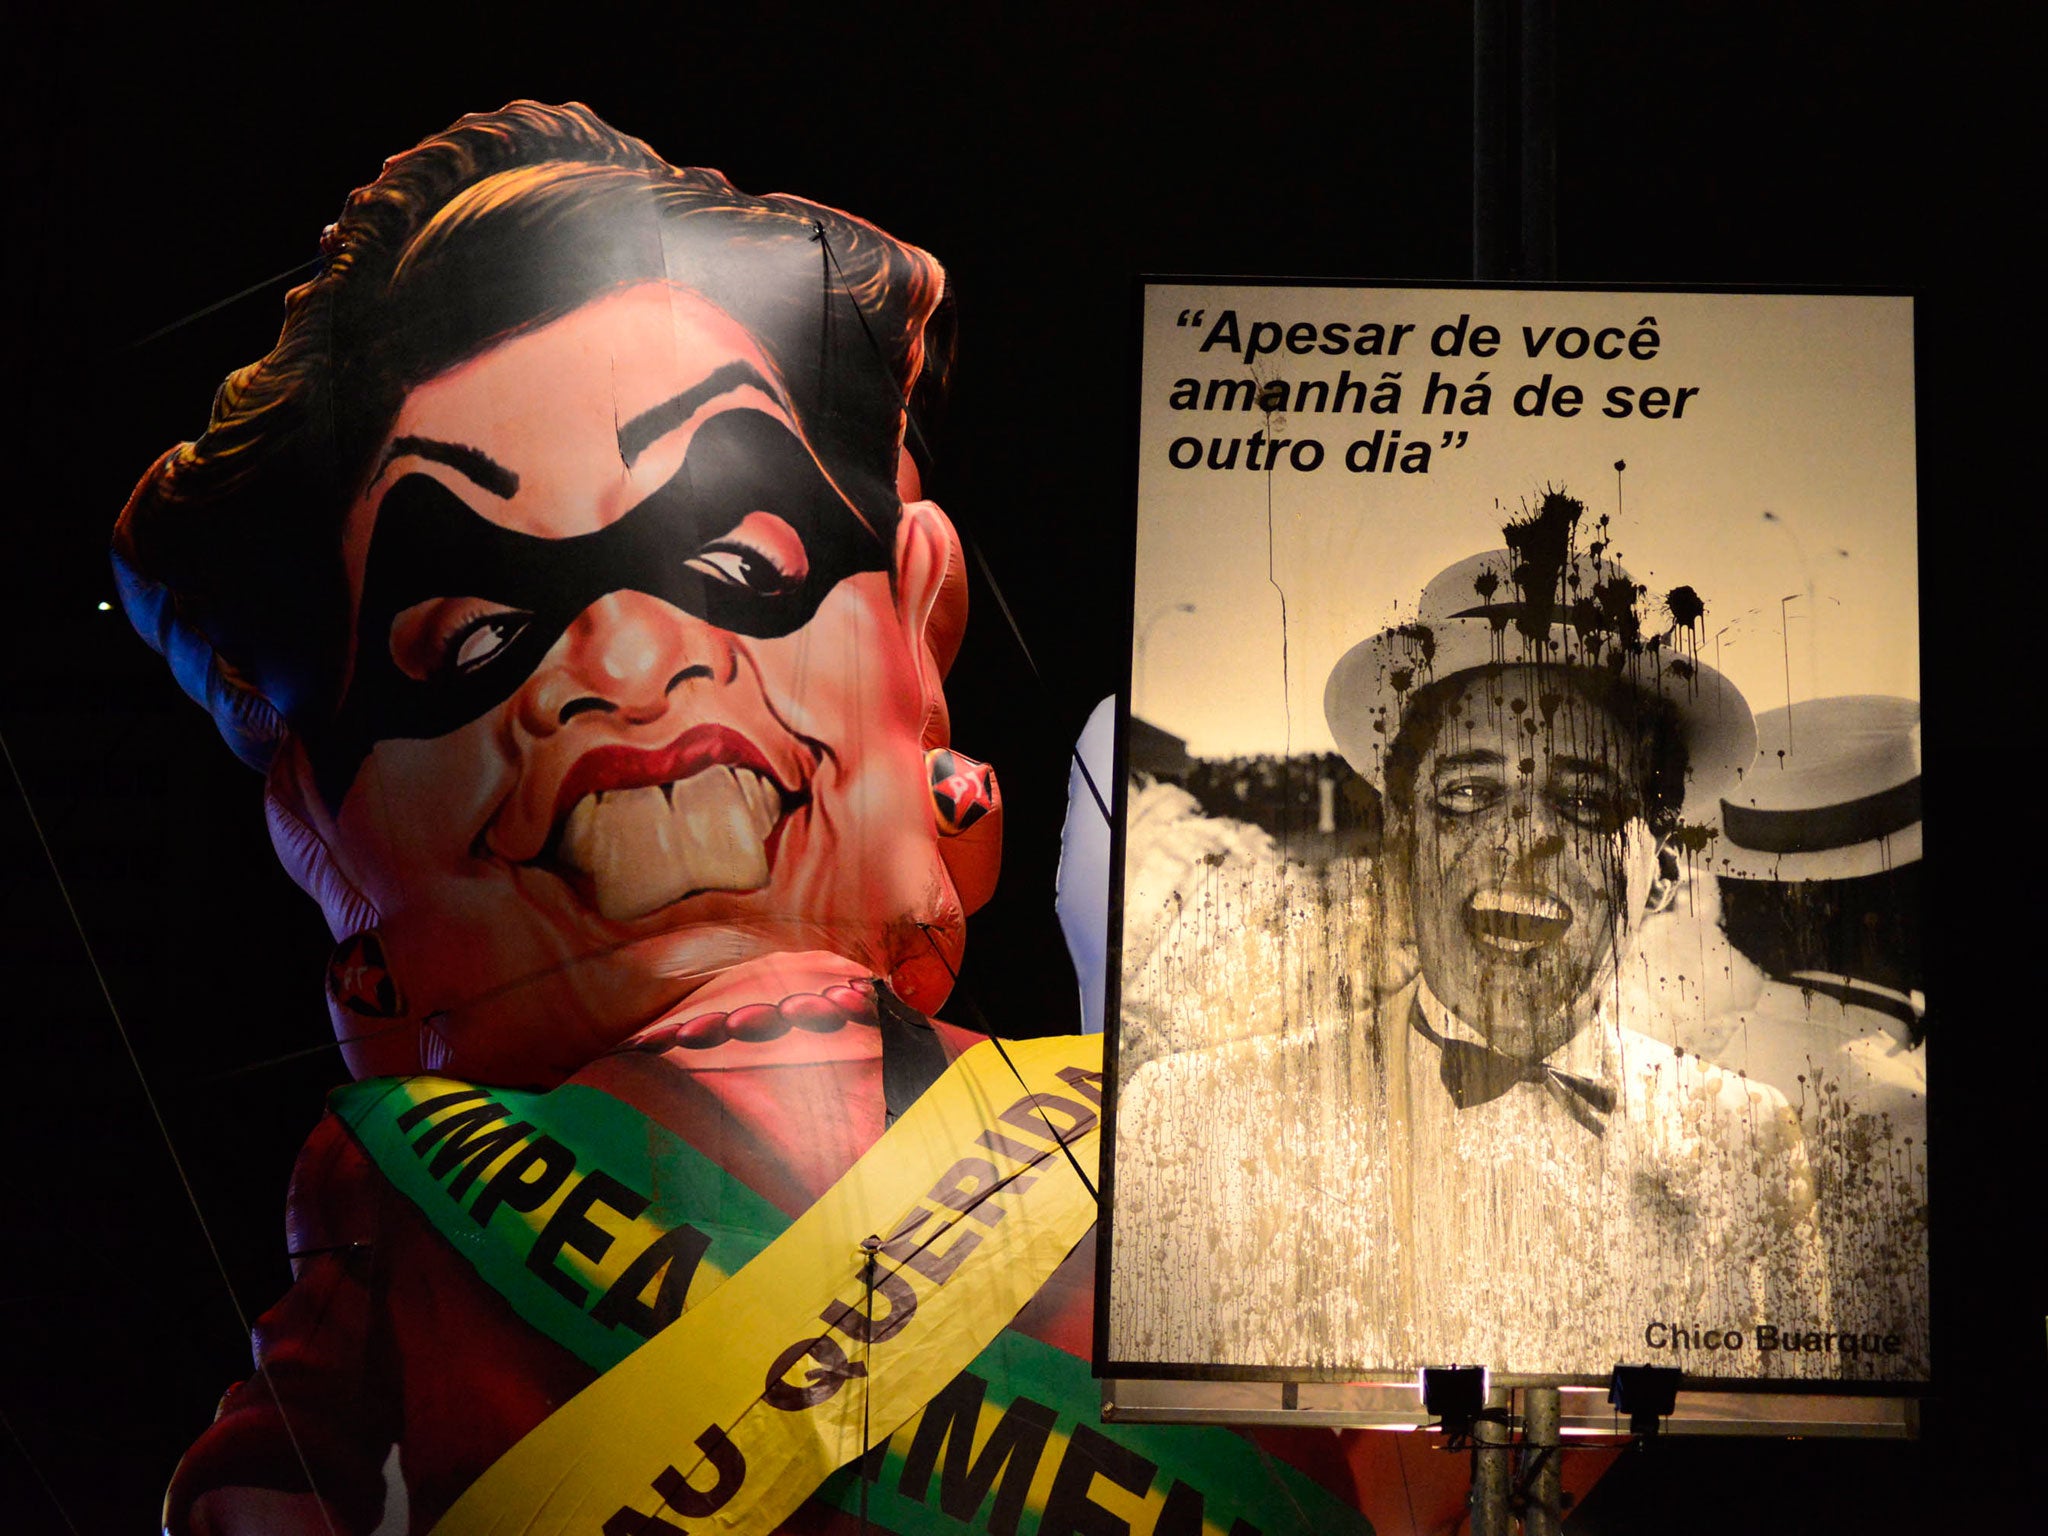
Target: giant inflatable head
[(557, 568)]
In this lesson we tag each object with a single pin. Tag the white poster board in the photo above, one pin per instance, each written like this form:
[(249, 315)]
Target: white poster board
[(1519, 840)]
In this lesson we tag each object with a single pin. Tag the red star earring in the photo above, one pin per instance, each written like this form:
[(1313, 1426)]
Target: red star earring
[(359, 980), (963, 790)]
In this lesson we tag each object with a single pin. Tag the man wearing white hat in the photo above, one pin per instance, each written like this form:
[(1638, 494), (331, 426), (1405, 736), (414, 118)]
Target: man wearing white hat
[(1544, 736), (1817, 864), (1539, 748), (1477, 1159)]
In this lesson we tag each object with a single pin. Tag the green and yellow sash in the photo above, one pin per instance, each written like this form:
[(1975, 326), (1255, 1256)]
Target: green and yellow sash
[(875, 1319)]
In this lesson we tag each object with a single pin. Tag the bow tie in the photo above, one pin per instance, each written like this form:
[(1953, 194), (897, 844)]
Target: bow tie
[(1476, 1074)]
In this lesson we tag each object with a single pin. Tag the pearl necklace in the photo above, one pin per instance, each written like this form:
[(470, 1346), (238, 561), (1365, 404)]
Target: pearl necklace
[(819, 1012)]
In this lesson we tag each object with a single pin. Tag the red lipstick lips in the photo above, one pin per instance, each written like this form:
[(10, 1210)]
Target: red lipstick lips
[(603, 769)]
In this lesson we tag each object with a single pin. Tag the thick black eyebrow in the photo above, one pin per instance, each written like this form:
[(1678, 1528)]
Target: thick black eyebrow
[(479, 466), (1470, 758), (650, 426), (1587, 765)]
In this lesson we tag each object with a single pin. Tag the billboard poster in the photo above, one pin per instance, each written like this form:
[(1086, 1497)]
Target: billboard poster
[(1520, 838)]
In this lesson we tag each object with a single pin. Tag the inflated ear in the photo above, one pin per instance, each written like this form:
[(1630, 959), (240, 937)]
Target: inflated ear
[(301, 834), (931, 597), (366, 997)]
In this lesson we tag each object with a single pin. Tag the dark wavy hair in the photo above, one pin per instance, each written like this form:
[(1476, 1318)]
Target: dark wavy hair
[(228, 554)]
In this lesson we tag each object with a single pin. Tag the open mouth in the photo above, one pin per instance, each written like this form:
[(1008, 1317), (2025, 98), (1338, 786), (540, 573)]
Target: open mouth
[(1516, 922), (636, 831)]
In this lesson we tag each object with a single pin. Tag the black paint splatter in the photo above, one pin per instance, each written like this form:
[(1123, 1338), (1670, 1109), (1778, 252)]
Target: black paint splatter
[(1691, 839), (1541, 546), (1424, 638)]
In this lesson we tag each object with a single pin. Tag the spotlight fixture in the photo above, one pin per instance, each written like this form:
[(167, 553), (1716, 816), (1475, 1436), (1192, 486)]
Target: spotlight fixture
[(1455, 1396), (1646, 1393)]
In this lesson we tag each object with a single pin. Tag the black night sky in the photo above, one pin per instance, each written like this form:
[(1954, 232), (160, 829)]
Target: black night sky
[(164, 177)]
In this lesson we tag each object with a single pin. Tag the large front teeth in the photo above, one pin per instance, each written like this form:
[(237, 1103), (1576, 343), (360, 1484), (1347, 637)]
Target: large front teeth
[(1516, 922), (645, 848), (1522, 904)]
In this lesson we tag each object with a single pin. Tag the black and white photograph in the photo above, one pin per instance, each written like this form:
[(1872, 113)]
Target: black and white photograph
[(1520, 909)]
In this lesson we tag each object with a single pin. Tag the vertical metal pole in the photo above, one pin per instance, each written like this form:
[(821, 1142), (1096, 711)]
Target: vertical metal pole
[(1490, 1471), (1539, 139), (1541, 1407), (1514, 139), (1492, 165)]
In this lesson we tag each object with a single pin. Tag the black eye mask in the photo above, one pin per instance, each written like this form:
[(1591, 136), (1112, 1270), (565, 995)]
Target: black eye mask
[(429, 545)]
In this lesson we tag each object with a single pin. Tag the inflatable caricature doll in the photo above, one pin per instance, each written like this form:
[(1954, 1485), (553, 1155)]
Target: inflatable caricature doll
[(563, 571)]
